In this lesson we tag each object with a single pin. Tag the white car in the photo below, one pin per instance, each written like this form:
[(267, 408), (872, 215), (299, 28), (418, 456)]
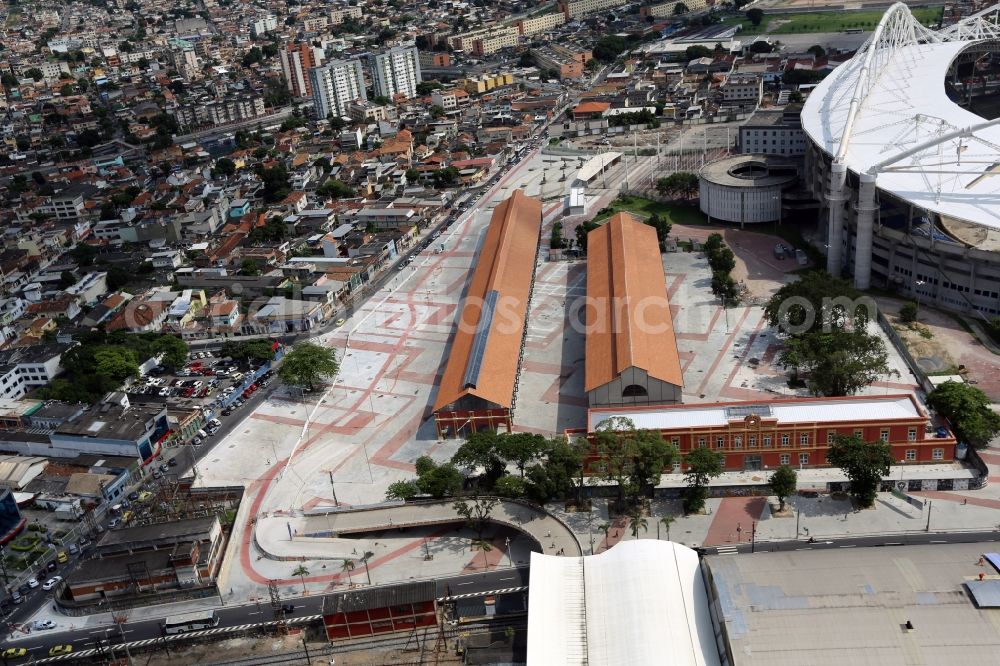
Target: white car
[(164, 392), (49, 584), (32, 583), (46, 624)]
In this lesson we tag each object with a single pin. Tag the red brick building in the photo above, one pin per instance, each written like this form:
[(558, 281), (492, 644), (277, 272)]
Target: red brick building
[(371, 611), (796, 432)]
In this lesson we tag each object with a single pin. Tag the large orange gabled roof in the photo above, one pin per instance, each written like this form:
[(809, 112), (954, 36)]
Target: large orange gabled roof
[(504, 268), (627, 296)]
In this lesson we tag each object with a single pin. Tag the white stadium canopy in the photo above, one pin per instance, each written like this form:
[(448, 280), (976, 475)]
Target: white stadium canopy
[(885, 113)]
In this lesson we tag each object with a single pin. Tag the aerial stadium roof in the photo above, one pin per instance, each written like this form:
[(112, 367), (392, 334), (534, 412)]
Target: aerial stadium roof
[(885, 112), (485, 353), (640, 603)]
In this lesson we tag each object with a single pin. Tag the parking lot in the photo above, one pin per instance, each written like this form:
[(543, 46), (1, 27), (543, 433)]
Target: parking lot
[(217, 385)]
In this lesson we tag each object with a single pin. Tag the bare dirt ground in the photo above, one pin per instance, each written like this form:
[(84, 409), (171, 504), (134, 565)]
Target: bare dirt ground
[(949, 347)]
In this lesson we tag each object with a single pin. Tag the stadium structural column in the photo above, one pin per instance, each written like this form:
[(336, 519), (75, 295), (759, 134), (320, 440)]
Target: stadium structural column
[(863, 241), (835, 197)]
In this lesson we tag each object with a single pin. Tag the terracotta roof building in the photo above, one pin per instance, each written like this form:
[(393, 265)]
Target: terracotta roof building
[(631, 355), (479, 385)]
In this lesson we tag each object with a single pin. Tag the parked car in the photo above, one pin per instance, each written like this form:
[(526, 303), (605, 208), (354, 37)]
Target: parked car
[(14, 653), (145, 495), (63, 558), (134, 495), (32, 583), (172, 462), (60, 649), (74, 549), (114, 522), (24, 589), (49, 584), (52, 566)]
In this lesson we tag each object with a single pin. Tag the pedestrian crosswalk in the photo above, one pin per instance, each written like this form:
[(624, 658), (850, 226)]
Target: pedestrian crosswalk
[(470, 595)]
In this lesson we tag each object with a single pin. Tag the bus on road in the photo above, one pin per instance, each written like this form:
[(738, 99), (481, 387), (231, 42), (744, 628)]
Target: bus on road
[(197, 621)]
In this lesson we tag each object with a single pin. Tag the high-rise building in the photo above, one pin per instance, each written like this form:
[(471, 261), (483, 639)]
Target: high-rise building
[(395, 71), (296, 61), (335, 86)]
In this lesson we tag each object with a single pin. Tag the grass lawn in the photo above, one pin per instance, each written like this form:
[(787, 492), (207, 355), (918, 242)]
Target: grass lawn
[(689, 214), (838, 21), (793, 24), (674, 212)]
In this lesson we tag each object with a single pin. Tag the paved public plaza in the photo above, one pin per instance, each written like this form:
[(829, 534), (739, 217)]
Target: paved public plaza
[(343, 445)]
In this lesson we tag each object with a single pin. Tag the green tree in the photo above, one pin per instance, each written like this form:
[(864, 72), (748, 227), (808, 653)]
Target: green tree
[(224, 167), (301, 571), (174, 350), (968, 410), (663, 227), (724, 286), (402, 490), (667, 521), (680, 183), (335, 189), (818, 301), (908, 312), (581, 232), (795, 97), (511, 486), (436, 480), (756, 15), (864, 464), (555, 476), (697, 51), (609, 47), (631, 458), (307, 364), (703, 465), (476, 511), (116, 364), (816, 50), (249, 267), (481, 454), (347, 567), (66, 279), (636, 522), (34, 74), (839, 362), (520, 449), (556, 241), (783, 483), (680, 8)]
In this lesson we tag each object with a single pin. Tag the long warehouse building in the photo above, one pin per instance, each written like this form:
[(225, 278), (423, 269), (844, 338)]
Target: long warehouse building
[(479, 386)]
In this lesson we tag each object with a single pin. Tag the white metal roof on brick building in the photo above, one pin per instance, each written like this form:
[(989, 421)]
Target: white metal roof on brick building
[(787, 412)]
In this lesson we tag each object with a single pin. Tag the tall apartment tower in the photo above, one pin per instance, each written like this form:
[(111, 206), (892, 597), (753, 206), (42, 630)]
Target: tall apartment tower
[(335, 85), (296, 61), (395, 71)]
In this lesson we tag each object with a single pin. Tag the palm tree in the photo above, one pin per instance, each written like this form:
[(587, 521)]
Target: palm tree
[(347, 567), (635, 522), (483, 545), (667, 522), (301, 572), (605, 527)]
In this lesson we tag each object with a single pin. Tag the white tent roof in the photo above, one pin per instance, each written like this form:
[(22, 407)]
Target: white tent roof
[(903, 106), (641, 602)]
